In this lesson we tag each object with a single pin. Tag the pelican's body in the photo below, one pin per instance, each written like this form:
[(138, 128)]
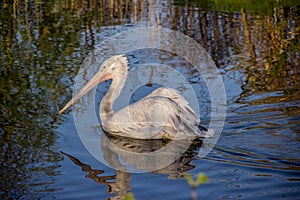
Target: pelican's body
[(163, 114)]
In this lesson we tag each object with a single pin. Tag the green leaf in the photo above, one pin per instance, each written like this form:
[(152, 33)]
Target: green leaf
[(128, 196), (189, 179), (201, 178)]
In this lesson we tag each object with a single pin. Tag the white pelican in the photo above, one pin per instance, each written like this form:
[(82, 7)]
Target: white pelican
[(163, 114)]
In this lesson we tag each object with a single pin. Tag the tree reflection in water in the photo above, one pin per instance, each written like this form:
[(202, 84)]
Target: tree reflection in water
[(255, 46)]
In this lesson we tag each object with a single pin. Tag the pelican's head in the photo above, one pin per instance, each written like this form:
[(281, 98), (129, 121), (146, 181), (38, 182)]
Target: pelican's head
[(110, 68), (113, 66)]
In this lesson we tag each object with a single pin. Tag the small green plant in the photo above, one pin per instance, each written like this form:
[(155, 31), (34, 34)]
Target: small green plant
[(128, 196), (200, 179)]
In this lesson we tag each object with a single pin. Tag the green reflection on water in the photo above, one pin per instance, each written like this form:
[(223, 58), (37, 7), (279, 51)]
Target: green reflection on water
[(39, 53), (256, 6), (42, 44)]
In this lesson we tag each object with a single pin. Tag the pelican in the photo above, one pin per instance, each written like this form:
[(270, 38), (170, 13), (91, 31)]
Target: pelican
[(163, 114)]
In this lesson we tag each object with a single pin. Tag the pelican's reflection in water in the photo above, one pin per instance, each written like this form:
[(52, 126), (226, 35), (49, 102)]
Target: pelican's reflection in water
[(120, 152), (119, 186)]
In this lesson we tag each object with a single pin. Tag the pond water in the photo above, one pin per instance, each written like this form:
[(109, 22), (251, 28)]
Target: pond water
[(255, 47)]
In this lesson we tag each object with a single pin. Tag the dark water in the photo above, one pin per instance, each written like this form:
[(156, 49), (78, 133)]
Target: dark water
[(255, 47)]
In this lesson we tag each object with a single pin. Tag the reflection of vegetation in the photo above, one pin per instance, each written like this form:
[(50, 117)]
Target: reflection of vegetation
[(34, 58), (42, 44), (279, 52), (256, 6), (259, 38)]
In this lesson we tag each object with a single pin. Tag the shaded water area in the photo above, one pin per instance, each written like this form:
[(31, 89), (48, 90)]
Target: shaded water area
[(255, 47)]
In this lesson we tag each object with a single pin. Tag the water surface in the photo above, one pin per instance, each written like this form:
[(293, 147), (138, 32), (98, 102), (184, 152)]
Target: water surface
[(255, 47)]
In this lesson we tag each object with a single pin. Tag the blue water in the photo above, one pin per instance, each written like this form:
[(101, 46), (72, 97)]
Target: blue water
[(255, 48)]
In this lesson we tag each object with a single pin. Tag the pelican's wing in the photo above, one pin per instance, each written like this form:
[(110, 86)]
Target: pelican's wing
[(175, 96), (155, 116)]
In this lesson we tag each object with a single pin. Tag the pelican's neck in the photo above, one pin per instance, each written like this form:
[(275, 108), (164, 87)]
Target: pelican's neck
[(106, 105)]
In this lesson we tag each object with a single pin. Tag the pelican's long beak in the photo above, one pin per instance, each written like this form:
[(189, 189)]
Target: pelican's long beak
[(97, 79)]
